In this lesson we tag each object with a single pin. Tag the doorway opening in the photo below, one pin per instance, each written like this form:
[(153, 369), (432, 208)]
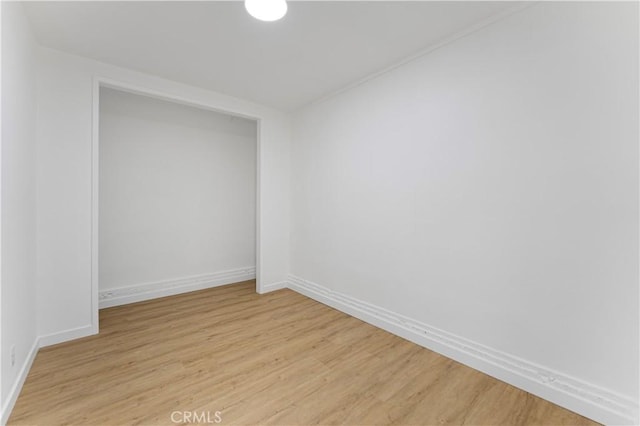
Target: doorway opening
[(175, 189)]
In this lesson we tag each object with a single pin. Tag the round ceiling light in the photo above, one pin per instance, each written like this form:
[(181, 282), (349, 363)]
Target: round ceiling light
[(266, 10)]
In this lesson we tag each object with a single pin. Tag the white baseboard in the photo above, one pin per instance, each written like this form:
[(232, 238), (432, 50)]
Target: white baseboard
[(587, 399), (39, 342), (145, 291), (273, 287), (66, 335), (19, 382), (583, 398)]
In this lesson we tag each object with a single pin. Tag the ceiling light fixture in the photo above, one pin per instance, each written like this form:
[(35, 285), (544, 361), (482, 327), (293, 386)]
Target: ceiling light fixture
[(266, 10)]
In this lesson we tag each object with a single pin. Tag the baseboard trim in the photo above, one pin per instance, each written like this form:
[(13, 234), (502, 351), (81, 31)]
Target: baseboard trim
[(586, 399), (146, 291), (66, 335), (39, 342), (14, 392), (273, 287)]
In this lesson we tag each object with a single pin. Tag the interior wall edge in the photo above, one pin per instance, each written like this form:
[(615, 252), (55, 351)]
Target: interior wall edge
[(584, 398), (520, 5), (18, 202)]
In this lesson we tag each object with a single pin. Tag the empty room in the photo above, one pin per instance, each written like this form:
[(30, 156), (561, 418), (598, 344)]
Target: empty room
[(288, 212)]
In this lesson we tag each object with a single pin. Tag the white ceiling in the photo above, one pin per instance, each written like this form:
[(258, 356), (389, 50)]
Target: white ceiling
[(318, 48)]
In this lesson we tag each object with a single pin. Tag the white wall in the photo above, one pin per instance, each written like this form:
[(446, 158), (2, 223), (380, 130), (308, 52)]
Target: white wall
[(18, 200), (177, 191), (65, 85), (490, 189)]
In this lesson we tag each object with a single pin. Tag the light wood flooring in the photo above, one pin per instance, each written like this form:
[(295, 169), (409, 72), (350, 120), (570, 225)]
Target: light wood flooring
[(278, 358)]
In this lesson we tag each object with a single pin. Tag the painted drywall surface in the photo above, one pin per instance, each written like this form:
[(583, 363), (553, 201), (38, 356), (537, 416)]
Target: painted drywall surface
[(18, 193), (177, 191), (65, 84), (489, 189)]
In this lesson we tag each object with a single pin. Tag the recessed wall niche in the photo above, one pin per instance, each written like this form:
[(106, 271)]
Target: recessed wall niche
[(177, 198)]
